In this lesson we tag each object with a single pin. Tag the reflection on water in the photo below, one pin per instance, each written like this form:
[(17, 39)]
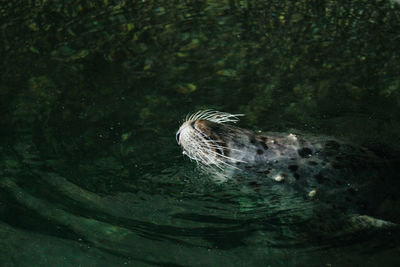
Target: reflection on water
[(91, 96)]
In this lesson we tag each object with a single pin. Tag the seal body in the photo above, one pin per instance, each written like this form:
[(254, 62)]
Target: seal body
[(316, 167), (288, 157)]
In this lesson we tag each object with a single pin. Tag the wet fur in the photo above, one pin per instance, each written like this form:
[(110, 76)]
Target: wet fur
[(337, 174)]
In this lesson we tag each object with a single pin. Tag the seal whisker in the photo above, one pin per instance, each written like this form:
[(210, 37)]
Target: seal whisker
[(200, 114), (218, 163), (194, 115), (205, 149), (204, 152), (227, 157), (213, 115), (226, 148)]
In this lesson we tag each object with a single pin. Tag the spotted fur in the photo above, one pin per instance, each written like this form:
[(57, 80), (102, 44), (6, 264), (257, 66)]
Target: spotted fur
[(318, 168)]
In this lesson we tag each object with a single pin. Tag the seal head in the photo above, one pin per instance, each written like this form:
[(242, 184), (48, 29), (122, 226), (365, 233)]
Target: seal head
[(204, 138)]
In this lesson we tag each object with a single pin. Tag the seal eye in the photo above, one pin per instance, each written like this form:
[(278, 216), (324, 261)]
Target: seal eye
[(177, 137)]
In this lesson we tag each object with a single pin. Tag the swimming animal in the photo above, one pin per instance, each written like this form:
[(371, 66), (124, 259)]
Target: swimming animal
[(320, 168)]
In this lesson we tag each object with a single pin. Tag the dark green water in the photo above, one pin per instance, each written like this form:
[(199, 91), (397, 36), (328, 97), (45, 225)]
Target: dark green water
[(92, 93)]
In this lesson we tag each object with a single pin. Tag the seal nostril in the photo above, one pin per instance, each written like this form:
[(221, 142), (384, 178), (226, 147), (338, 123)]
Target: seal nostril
[(177, 137)]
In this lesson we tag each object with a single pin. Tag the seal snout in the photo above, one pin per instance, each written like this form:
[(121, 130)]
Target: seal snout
[(203, 137), (183, 132)]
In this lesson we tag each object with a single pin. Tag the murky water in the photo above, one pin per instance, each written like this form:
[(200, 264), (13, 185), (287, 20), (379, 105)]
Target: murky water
[(92, 93)]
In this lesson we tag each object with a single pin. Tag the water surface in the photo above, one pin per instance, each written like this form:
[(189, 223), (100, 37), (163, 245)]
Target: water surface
[(92, 93)]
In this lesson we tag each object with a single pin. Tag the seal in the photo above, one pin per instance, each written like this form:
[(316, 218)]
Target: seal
[(206, 138), (316, 167)]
